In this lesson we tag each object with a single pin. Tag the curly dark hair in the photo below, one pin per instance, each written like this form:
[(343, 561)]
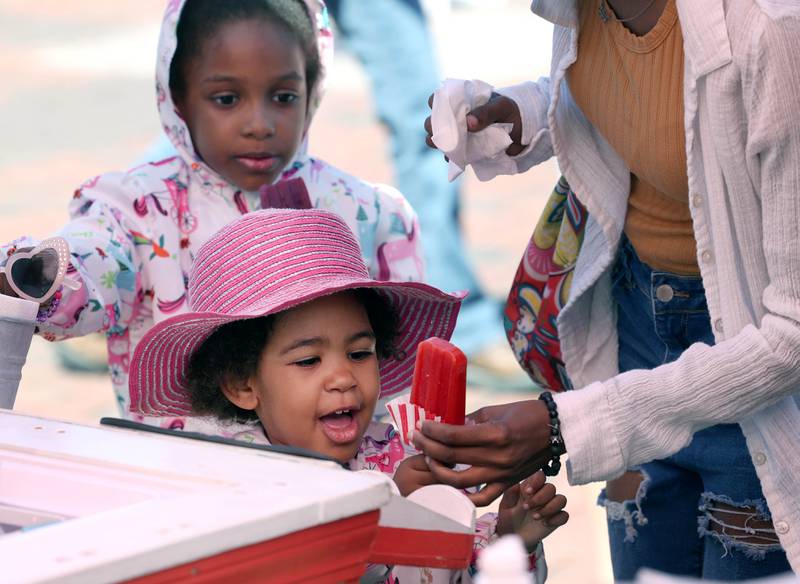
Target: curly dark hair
[(232, 354), (200, 20)]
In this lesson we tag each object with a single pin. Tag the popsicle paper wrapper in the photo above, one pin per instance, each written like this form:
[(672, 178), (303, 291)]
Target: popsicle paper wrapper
[(406, 416), (438, 390)]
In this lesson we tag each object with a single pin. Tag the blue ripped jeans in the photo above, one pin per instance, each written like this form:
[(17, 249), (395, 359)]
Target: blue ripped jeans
[(668, 526)]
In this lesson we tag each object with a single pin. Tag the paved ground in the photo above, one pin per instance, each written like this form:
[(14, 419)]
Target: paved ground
[(77, 100)]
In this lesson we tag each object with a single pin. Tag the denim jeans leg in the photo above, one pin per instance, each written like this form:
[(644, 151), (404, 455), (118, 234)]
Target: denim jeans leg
[(720, 454), (392, 40), (659, 316), (658, 528)]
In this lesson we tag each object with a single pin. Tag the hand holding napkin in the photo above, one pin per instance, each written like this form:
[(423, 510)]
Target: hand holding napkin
[(484, 150)]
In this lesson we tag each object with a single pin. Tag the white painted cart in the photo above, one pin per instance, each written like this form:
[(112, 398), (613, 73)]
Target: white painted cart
[(97, 504)]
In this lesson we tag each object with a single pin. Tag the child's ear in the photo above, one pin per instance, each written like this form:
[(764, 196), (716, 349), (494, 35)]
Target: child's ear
[(240, 393)]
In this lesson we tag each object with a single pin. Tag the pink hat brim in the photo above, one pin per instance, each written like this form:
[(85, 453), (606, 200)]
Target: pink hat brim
[(158, 369)]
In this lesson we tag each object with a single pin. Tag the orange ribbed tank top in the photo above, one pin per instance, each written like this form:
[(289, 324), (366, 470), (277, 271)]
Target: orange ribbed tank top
[(631, 89)]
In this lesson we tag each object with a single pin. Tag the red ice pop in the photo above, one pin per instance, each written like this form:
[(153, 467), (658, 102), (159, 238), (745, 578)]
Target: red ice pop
[(440, 380)]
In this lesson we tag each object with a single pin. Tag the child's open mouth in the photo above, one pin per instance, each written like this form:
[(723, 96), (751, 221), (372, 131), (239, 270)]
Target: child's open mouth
[(341, 426)]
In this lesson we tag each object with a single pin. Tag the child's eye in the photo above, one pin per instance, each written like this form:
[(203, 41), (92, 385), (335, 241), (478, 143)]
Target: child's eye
[(309, 362), (286, 97), (225, 99), (362, 355)]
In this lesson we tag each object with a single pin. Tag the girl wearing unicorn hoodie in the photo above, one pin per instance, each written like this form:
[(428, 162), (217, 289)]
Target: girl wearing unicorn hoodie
[(237, 85)]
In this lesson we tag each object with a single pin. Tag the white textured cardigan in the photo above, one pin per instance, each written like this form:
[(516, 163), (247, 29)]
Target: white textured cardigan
[(742, 105)]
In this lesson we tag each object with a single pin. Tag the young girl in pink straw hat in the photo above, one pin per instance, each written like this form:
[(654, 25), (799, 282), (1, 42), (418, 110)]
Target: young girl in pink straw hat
[(289, 341)]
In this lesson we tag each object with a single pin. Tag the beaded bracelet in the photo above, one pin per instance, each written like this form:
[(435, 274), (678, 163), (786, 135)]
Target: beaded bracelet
[(45, 313), (557, 447)]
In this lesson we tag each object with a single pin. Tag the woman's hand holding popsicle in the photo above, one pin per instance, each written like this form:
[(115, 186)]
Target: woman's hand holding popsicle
[(532, 510), (506, 444)]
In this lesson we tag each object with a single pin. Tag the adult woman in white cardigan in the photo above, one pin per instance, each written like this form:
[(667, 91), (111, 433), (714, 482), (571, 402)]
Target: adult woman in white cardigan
[(677, 124)]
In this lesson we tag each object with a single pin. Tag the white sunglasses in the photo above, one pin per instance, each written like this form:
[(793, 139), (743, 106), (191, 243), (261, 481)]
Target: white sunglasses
[(36, 274)]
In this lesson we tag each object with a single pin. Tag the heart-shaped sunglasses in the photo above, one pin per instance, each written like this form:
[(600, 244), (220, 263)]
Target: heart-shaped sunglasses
[(36, 274)]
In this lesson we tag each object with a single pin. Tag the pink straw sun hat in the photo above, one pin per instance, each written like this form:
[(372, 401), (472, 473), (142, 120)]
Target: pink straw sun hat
[(265, 263)]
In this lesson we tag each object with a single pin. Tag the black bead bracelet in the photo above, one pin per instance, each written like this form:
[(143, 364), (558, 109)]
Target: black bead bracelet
[(557, 447)]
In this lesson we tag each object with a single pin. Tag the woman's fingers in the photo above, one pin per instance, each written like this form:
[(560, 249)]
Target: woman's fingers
[(429, 137), (463, 479), (491, 433), (515, 149), (508, 443), (456, 450), (486, 414), (433, 449), (468, 455), (485, 115), (498, 109)]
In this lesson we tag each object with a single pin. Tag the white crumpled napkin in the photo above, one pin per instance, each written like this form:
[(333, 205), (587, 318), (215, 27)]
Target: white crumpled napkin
[(484, 150)]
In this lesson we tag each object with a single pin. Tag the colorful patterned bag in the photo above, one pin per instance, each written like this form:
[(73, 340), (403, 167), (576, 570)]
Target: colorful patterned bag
[(541, 288)]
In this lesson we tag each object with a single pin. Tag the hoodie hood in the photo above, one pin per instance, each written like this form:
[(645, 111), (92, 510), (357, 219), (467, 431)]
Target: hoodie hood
[(175, 127)]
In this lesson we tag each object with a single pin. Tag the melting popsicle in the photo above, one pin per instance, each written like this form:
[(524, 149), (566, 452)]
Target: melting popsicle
[(440, 380)]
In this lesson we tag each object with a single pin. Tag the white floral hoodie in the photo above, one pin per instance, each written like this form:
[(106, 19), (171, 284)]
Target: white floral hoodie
[(133, 235)]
